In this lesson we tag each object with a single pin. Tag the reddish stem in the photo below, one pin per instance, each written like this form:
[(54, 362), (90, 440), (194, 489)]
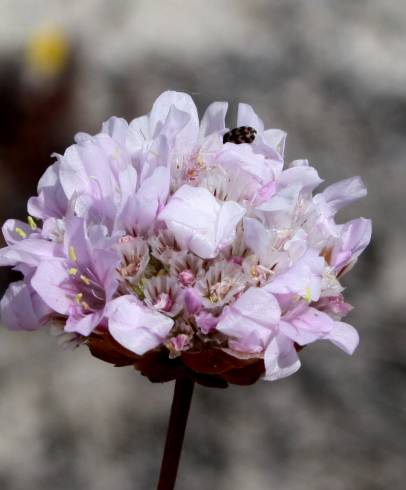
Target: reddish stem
[(176, 431)]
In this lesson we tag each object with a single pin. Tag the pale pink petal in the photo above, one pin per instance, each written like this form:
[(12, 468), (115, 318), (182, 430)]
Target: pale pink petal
[(84, 324), (213, 119), (199, 223), (22, 309), (307, 176), (182, 102), (30, 251), (344, 336), (51, 200), (258, 238), (303, 277), (229, 216), (275, 138), (254, 317), (15, 230), (308, 326), (281, 359), (335, 306), (344, 192), (151, 196), (265, 193), (354, 238), (141, 209), (193, 300), (175, 129), (248, 117), (254, 303), (242, 157), (48, 282), (116, 128), (136, 327), (206, 321), (138, 134), (279, 211)]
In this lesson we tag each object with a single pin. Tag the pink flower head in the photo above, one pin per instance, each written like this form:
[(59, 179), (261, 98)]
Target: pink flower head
[(172, 237)]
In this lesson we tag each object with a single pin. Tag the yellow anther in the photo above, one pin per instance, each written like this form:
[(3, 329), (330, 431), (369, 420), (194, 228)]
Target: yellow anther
[(85, 305), (72, 271), (213, 298), (200, 161), (254, 271), (78, 298), (20, 232), (72, 254), (85, 279), (32, 223), (308, 295)]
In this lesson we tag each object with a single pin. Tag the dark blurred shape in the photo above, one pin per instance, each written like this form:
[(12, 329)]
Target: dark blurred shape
[(36, 88), (209, 366)]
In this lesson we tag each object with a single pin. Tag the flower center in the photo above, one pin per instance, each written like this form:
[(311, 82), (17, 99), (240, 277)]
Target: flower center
[(164, 302), (187, 277), (87, 293), (219, 290)]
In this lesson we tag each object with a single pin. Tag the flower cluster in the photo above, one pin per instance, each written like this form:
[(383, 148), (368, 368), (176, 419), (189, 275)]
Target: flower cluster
[(173, 236)]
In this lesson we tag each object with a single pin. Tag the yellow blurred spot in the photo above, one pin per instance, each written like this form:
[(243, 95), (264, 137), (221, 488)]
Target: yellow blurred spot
[(32, 223), (200, 161), (72, 254), (139, 290), (254, 271), (72, 271), (85, 279), (48, 51), (20, 232), (308, 295), (78, 298)]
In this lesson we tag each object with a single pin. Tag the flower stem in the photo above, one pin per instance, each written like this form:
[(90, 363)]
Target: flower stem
[(176, 430)]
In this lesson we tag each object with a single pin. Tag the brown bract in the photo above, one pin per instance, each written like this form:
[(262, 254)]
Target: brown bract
[(209, 367)]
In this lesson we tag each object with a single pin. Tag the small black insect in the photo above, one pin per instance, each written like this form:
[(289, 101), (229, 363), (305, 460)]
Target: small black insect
[(243, 134)]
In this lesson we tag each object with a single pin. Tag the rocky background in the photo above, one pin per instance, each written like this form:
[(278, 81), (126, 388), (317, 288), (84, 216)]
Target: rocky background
[(333, 75)]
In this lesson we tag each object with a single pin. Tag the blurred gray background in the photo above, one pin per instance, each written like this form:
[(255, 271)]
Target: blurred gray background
[(333, 75)]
